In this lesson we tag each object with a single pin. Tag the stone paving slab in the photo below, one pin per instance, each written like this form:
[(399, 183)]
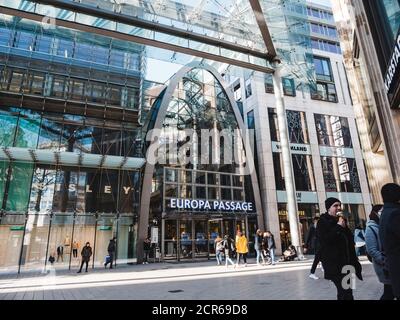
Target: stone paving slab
[(186, 281)]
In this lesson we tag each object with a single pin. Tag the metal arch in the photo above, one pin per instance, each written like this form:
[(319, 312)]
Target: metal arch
[(149, 168)]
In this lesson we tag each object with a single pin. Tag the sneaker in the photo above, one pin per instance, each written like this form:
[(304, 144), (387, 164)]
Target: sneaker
[(245, 264), (313, 276)]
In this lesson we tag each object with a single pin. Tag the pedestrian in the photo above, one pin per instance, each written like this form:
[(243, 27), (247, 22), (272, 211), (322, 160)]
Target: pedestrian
[(389, 233), (86, 253), (219, 249), (111, 252), (146, 250), (258, 246), (312, 246), (374, 249), (337, 247), (359, 239), (270, 244), (229, 249), (241, 248), (60, 253)]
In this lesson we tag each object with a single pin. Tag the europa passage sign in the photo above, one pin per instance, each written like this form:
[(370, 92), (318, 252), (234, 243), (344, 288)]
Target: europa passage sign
[(206, 205)]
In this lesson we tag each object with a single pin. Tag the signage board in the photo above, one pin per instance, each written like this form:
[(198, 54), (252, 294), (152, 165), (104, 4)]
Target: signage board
[(295, 148), (17, 228), (154, 234), (105, 228), (210, 205)]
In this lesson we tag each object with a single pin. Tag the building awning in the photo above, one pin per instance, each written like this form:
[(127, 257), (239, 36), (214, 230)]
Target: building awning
[(53, 157)]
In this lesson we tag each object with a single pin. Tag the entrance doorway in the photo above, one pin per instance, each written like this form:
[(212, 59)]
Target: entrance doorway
[(190, 239)]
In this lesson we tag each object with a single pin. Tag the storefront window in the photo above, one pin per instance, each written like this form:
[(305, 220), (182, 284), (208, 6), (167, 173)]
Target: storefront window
[(60, 241), (18, 190), (35, 243), (8, 124), (11, 239), (306, 213)]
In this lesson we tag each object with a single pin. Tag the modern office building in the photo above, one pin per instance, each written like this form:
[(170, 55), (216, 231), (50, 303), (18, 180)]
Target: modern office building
[(369, 32), (89, 88), (326, 153)]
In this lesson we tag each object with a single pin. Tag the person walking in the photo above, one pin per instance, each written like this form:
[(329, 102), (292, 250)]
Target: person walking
[(86, 253), (219, 249), (258, 246), (111, 252), (337, 247), (374, 249), (389, 233), (241, 248), (312, 246), (229, 248)]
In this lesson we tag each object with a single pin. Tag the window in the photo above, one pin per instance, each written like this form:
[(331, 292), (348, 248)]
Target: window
[(248, 91), (297, 126), (237, 93), (333, 131), (340, 174), (269, 83), (324, 89), (288, 87), (250, 120)]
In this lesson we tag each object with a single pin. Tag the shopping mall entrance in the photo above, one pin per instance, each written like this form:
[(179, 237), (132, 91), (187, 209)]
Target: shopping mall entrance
[(191, 238)]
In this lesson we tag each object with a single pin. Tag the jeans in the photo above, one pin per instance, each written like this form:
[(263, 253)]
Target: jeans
[(218, 255), (244, 255), (272, 255), (259, 254)]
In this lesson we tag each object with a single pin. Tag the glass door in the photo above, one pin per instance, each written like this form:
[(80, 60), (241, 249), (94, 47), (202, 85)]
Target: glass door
[(185, 239), (170, 239), (214, 231), (201, 240)]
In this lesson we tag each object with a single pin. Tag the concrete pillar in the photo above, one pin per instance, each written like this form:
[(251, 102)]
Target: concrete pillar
[(287, 161)]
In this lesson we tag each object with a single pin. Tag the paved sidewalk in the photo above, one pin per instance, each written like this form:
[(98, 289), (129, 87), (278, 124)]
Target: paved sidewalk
[(195, 281)]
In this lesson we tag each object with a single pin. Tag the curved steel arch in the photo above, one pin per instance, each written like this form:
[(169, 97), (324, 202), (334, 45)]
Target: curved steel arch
[(149, 168)]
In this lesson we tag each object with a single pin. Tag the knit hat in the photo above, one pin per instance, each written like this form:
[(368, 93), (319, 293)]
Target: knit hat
[(391, 192), (329, 202)]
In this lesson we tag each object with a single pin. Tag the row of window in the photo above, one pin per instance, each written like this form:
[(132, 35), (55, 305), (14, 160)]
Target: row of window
[(320, 14), (323, 29), (332, 131), (340, 174), (324, 45), (44, 188), (65, 87), (73, 47), (26, 129)]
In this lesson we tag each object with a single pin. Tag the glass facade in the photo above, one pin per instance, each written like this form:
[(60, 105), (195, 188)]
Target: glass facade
[(297, 126), (324, 88)]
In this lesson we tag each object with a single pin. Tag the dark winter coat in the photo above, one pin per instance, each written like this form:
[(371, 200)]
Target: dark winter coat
[(86, 253), (270, 242), (111, 247), (336, 247), (311, 241), (229, 248), (389, 233)]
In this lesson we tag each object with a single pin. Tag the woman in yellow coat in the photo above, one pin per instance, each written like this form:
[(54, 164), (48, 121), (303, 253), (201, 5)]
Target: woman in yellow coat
[(241, 248)]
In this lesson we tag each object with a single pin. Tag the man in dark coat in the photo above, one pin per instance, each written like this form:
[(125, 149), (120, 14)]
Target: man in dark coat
[(312, 247), (337, 248), (389, 233), (86, 254), (111, 252)]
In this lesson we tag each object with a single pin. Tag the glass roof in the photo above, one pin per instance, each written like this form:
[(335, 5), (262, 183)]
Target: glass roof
[(230, 26)]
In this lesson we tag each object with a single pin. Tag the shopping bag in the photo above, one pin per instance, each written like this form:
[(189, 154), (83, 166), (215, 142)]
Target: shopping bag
[(107, 259)]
